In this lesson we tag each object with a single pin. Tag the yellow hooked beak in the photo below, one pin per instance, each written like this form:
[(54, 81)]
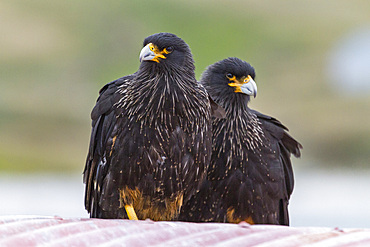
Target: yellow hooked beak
[(244, 85), (151, 52)]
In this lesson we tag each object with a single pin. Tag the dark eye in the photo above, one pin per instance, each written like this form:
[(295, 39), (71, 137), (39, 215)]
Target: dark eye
[(229, 75), (169, 49)]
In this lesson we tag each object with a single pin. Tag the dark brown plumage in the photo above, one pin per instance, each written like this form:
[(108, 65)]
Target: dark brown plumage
[(151, 136), (250, 177)]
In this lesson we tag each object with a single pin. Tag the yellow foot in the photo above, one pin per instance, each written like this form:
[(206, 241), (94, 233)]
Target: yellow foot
[(131, 212)]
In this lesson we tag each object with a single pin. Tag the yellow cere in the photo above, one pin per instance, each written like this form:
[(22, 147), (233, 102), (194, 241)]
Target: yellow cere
[(157, 52), (246, 80), (238, 83)]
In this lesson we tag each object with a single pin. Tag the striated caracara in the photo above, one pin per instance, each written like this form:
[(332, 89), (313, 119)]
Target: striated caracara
[(250, 177), (151, 135)]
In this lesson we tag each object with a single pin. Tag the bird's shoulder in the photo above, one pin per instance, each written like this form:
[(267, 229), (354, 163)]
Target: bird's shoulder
[(109, 95), (274, 129)]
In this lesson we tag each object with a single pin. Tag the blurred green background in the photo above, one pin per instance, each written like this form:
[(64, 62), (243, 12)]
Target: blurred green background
[(56, 55)]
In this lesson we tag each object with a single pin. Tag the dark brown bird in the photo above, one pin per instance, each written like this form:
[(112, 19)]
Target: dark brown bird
[(250, 177), (151, 135)]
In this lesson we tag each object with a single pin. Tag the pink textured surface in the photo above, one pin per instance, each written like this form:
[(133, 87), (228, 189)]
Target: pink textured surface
[(56, 231)]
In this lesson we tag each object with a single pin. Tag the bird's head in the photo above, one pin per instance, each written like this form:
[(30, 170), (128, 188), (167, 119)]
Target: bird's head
[(230, 78), (166, 49)]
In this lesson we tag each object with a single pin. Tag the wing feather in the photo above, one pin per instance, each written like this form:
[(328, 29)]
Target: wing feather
[(104, 120), (286, 145)]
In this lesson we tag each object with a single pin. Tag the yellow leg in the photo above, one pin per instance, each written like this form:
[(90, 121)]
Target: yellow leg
[(131, 212)]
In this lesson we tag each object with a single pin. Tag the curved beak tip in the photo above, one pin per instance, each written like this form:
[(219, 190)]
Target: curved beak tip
[(250, 88), (146, 54), (255, 90)]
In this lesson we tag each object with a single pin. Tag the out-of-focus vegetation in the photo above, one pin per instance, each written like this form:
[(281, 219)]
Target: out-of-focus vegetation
[(56, 55)]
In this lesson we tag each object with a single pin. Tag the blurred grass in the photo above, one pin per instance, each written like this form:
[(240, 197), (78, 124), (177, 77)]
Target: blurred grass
[(55, 56)]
